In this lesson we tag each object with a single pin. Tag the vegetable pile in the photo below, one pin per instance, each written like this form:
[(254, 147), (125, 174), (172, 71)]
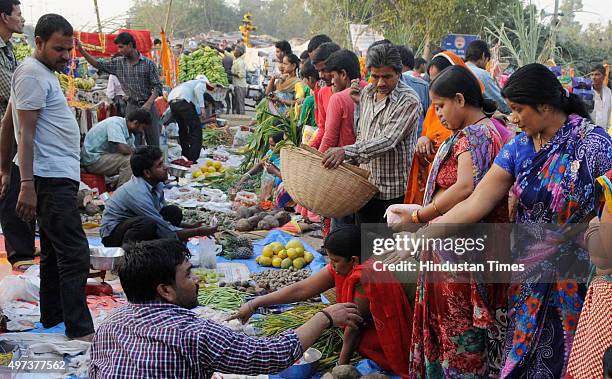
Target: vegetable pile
[(194, 216), (224, 298), (213, 137), (290, 255), (237, 247), (329, 343), (254, 218), (248, 286), (273, 280), (207, 276), (204, 61)]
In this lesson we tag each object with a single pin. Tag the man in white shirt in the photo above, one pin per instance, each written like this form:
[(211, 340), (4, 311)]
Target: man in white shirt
[(116, 95), (602, 97), (187, 106)]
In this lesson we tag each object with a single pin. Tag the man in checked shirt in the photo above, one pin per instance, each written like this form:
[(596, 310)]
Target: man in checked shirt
[(386, 133), (139, 79), (156, 335)]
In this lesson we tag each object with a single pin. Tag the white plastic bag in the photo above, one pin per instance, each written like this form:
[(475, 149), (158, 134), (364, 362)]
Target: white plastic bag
[(394, 212), (208, 250), (25, 287), (241, 138)]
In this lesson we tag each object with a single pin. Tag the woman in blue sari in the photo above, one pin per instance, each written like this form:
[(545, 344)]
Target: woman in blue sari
[(551, 168)]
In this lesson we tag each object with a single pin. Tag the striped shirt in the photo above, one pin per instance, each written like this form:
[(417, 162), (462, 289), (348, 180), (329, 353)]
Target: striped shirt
[(8, 63), (162, 340), (386, 137)]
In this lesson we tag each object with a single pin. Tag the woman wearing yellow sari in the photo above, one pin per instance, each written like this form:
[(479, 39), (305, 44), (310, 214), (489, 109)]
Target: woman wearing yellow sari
[(288, 89)]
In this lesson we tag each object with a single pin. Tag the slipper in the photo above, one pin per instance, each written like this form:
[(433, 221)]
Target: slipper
[(23, 265)]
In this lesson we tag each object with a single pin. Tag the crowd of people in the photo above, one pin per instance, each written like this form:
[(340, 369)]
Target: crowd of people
[(440, 142)]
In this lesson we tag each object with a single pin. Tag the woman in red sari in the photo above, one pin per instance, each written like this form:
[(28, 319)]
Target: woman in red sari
[(385, 335), (458, 319)]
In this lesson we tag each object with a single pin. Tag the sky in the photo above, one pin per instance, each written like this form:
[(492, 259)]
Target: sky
[(81, 13)]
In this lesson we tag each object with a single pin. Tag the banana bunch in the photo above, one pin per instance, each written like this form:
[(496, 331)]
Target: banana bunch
[(22, 51), (64, 80), (85, 84), (204, 61)]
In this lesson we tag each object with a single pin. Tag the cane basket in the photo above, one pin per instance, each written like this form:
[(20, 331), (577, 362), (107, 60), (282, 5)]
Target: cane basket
[(330, 193)]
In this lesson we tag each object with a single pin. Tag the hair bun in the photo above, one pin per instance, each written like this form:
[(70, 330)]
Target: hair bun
[(489, 106)]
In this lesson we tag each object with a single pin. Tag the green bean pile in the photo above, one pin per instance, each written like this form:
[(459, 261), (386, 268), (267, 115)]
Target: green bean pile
[(329, 343), (221, 298)]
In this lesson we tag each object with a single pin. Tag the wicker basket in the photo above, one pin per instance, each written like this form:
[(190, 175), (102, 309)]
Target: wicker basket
[(330, 193)]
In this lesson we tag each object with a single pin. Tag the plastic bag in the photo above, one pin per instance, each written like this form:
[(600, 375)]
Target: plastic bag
[(267, 186), (245, 199), (394, 213), (241, 138), (308, 134), (208, 250), (25, 287)]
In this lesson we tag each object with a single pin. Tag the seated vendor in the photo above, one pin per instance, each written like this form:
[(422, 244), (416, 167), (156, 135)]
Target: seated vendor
[(156, 335), (271, 179), (109, 144), (378, 295), (137, 210)]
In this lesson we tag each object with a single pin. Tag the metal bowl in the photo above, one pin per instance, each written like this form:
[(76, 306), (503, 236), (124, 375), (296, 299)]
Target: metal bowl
[(104, 258), (221, 122), (305, 367), (177, 171)]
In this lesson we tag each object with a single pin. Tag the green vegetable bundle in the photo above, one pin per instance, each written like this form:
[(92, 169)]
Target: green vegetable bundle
[(213, 137), (329, 343), (204, 61), (221, 298)]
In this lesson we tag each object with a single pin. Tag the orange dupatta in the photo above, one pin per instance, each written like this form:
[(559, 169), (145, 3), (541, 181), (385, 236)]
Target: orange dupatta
[(437, 133)]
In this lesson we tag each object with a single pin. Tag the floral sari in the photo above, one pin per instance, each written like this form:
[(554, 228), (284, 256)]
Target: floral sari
[(459, 318), (554, 186)]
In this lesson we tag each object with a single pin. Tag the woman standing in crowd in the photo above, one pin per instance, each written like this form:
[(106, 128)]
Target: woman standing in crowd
[(456, 329), (289, 88), (594, 333), (551, 168)]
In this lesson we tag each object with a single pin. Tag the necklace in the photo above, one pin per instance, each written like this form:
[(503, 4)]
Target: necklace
[(480, 119)]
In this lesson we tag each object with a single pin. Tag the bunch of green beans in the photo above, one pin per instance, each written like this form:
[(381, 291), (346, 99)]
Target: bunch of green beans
[(221, 298)]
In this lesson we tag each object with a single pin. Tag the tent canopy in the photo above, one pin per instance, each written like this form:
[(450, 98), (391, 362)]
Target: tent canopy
[(102, 44)]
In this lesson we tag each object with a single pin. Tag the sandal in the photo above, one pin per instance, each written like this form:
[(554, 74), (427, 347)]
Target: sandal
[(23, 265)]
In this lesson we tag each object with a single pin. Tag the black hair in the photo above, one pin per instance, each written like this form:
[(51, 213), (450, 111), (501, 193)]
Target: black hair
[(284, 46), (344, 60), (143, 159), (418, 62), (6, 6), (277, 137), (600, 68), (125, 38), (157, 41), (607, 363), (51, 23), (141, 115), (304, 55), (229, 49), (344, 241), (309, 71), (145, 265), (440, 62), (476, 49), (534, 84), (324, 51), (317, 41), (384, 55), (293, 59), (172, 214), (380, 42), (458, 79), (407, 56)]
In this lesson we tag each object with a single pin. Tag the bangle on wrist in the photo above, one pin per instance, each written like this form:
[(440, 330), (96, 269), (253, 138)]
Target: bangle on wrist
[(26, 180), (329, 318), (415, 217)]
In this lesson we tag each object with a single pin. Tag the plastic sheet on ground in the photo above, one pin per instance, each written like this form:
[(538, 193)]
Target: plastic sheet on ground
[(273, 236)]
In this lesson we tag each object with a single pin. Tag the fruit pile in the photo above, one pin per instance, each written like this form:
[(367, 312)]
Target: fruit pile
[(204, 61), (290, 255), (211, 169), (80, 83)]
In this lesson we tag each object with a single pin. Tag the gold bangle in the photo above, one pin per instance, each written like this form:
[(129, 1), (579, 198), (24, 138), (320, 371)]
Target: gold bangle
[(433, 202), (415, 217)]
